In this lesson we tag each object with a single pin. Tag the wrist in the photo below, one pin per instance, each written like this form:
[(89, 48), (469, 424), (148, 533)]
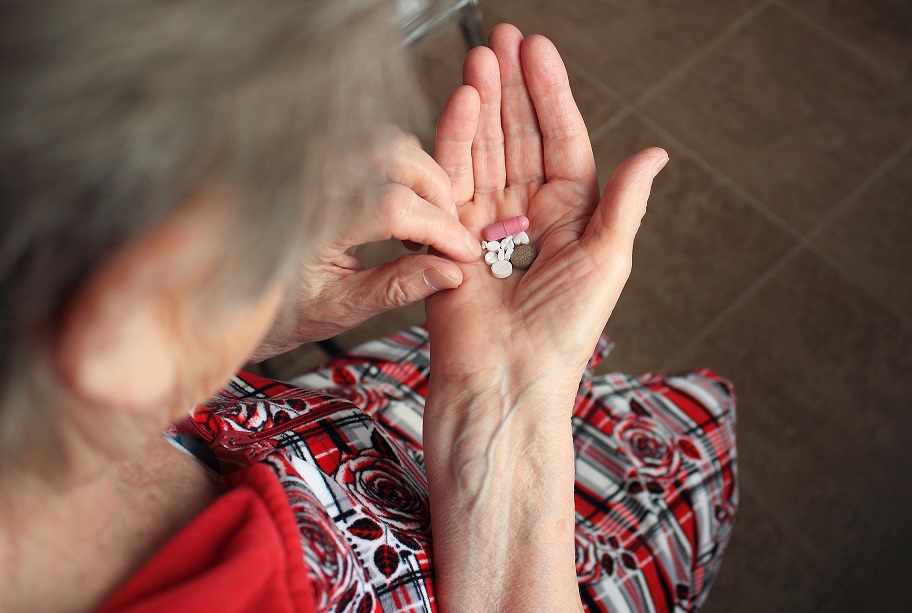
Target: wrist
[(470, 417), (501, 381), (475, 441), (500, 468)]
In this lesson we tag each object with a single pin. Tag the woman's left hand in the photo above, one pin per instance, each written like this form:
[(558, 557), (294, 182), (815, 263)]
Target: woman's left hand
[(333, 291), (514, 143), (508, 354)]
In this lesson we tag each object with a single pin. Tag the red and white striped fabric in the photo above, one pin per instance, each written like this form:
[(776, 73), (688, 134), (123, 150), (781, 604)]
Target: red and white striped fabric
[(656, 487)]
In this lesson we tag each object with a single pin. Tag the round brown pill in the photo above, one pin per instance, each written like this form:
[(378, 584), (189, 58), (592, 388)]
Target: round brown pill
[(523, 256)]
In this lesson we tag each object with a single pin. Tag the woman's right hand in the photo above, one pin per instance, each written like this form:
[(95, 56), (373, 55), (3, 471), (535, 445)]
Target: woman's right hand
[(332, 291)]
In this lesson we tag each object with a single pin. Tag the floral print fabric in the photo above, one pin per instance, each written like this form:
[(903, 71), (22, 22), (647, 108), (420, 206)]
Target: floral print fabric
[(656, 486)]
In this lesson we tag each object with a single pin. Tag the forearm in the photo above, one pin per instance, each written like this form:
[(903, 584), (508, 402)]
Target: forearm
[(501, 471)]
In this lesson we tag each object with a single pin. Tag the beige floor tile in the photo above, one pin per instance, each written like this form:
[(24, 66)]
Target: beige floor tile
[(821, 373), (881, 29), (765, 569), (629, 46), (699, 247), (871, 238), (795, 120)]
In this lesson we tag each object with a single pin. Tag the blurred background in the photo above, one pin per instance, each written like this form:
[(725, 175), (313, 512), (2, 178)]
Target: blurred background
[(776, 251)]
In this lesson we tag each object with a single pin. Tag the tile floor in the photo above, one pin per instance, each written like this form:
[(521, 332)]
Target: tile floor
[(775, 251)]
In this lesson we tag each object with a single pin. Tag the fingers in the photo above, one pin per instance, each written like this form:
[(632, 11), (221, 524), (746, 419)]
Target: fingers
[(404, 281), (522, 138), (412, 167), (409, 166), (398, 212), (613, 226), (455, 134), (482, 72), (565, 141)]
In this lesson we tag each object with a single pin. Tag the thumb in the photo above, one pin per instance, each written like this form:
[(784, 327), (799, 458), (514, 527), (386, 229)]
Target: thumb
[(615, 222), (404, 281)]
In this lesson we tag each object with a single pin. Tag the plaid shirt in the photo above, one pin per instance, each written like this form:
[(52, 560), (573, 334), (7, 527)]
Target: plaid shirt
[(656, 487)]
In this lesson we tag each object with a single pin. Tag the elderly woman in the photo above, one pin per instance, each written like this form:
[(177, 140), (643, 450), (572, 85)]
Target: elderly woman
[(182, 186)]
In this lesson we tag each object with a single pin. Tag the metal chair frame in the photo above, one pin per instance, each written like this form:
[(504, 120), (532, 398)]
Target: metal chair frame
[(432, 16)]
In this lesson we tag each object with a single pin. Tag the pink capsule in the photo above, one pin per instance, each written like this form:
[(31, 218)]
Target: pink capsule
[(497, 231)]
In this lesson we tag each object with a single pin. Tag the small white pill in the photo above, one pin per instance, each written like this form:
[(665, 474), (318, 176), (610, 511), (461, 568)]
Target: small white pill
[(490, 257), (501, 255), (522, 238), (507, 240), (508, 253), (492, 245), (502, 269)]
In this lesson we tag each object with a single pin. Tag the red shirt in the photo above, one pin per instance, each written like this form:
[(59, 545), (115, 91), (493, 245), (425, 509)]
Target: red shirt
[(242, 553)]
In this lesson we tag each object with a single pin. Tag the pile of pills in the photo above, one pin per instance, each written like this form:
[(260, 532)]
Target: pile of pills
[(507, 246)]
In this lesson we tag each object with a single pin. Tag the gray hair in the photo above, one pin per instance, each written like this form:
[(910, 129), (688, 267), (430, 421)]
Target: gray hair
[(112, 112)]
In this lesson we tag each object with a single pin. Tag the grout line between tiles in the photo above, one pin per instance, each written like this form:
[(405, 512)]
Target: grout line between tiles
[(733, 306), (856, 194), (804, 241), (721, 177), (852, 199), (610, 124), (862, 285), (872, 62), (595, 132), (594, 81), (732, 29)]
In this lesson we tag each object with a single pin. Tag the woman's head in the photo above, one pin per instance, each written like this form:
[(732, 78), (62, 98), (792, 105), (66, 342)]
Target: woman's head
[(120, 120)]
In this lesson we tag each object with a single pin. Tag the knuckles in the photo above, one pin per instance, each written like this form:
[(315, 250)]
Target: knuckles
[(398, 293), (411, 162), (395, 204)]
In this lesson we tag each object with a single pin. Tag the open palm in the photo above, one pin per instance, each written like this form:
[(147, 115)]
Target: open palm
[(514, 143)]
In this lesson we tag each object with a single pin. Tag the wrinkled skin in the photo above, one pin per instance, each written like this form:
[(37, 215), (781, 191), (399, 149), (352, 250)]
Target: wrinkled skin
[(513, 142)]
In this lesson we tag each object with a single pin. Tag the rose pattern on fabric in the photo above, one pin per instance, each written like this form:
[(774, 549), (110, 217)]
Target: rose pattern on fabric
[(651, 493), (587, 561), (381, 486), (395, 368), (598, 557), (689, 449), (651, 448), (333, 569), (343, 376), (363, 397), (333, 565)]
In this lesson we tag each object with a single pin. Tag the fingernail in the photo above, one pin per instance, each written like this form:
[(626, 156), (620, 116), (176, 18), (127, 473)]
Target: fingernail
[(474, 245), (438, 280), (659, 166)]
